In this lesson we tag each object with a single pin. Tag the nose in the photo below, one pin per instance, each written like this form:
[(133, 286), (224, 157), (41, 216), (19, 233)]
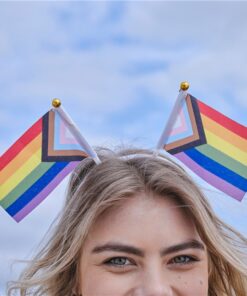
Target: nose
[(154, 284), (157, 289)]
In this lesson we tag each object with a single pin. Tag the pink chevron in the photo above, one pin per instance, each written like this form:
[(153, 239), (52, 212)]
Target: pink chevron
[(64, 139), (182, 128)]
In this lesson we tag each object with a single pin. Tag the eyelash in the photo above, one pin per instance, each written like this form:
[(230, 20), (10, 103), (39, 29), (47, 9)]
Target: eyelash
[(108, 262), (187, 260)]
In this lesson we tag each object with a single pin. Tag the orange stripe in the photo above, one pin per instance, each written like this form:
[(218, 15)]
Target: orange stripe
[(21, 143), (20, 159), (224, 133), (223, 120)]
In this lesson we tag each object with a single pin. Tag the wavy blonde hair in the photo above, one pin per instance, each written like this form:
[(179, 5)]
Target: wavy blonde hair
[(93, 189)]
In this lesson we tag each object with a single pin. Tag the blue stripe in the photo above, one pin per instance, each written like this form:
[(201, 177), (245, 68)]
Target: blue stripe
[(217, 169), (36, 188)]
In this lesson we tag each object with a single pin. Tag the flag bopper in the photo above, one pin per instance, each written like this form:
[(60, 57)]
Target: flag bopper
[(212, 145), (37, 162)]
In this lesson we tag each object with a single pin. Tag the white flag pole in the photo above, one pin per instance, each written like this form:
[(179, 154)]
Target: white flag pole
[(56, 103), (184, 86)]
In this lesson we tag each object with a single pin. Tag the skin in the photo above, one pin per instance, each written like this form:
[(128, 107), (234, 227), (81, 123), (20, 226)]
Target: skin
[(145, 247)]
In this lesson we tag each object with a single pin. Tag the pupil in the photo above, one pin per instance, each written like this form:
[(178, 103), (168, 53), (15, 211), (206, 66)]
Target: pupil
[(120, 261), (181, 259)]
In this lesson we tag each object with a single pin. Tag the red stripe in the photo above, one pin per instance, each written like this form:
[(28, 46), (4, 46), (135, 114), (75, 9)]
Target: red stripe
[(223, 120), (20, 144)]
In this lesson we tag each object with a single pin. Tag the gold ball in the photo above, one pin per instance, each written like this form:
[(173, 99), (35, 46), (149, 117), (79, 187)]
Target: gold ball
[(184, 85), (56, 103)]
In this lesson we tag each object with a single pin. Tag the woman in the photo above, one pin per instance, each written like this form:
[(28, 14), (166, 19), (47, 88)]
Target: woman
[(137, 225)]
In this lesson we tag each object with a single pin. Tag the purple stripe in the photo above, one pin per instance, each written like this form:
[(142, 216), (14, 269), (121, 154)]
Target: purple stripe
[(45, 192), (211, 178)]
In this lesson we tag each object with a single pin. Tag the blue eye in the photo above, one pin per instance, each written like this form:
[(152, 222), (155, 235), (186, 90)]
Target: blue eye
[(183, 259), (118, 261)]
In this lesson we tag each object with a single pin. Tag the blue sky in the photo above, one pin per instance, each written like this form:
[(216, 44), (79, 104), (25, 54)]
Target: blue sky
[(117, 67)]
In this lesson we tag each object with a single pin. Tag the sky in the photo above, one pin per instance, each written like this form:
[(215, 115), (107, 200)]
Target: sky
[(117, 67)]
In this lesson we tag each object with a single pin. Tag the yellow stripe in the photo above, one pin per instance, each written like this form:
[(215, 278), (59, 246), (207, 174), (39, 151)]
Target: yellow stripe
[(224, 133), (20, 174), (226, 147), (21, 158)]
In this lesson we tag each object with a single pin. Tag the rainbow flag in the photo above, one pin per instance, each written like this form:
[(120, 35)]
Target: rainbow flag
[(212, 145), (36, 163)]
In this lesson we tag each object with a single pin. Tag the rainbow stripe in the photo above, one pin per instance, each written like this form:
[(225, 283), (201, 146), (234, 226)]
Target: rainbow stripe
[(35, 164), (211, 145)]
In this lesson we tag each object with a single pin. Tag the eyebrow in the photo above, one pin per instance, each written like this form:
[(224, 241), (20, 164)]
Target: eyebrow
[(192, 244), (118, 247)]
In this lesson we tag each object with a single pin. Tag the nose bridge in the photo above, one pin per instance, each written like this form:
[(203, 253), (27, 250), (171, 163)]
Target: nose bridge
[(155, 282)]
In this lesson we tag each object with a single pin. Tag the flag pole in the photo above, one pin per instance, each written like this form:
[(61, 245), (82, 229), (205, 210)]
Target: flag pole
[(56, 103), (184, 86)]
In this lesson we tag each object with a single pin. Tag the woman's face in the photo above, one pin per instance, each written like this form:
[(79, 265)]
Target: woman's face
[(146, 247)]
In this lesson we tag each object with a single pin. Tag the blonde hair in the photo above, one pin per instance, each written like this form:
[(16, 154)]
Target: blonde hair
[(93, 189)]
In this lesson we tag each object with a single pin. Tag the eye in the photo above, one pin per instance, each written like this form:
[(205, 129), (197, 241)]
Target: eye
[(183, 260), (118, 261)]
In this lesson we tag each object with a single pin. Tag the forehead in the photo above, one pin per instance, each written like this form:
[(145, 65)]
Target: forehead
[(144, 218)]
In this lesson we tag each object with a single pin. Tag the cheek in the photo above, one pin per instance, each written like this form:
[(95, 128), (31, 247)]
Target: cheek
[(191, 283), (103, 283)]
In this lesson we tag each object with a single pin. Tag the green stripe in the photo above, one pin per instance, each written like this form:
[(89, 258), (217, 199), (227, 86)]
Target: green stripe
[(25, 184), (223, 159)]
